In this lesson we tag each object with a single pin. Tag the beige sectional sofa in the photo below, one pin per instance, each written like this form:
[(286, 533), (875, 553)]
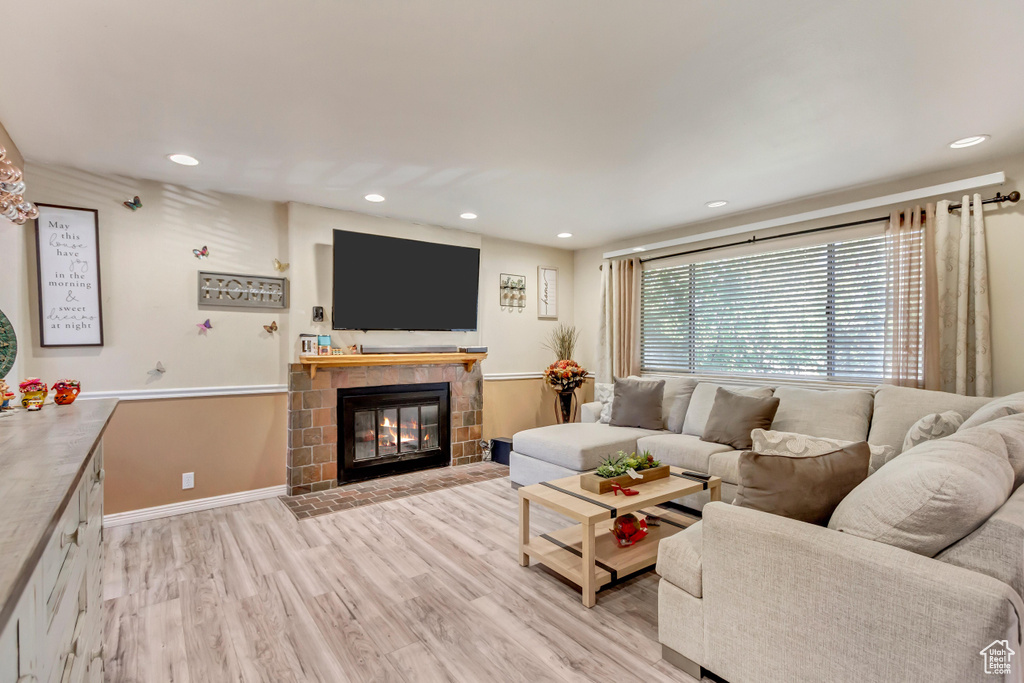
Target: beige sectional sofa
[(752, 596)]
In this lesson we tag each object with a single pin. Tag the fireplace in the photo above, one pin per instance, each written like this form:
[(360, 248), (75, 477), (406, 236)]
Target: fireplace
[(391, 429)]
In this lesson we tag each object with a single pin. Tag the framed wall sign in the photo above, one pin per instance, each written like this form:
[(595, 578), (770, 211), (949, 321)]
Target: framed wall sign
[(547, 292), (242, 291), (68, 267)]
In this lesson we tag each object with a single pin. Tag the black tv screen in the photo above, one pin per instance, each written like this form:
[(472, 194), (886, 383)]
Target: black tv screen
[(387, 283)]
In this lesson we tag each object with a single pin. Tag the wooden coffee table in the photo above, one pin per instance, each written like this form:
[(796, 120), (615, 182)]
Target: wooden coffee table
[(587, 553)]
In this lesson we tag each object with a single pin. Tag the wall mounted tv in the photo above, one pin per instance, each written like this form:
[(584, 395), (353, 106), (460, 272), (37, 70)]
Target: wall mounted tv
[(387, 283)]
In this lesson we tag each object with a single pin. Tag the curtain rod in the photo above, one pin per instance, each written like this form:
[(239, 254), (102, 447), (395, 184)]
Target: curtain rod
[(1012, 197)]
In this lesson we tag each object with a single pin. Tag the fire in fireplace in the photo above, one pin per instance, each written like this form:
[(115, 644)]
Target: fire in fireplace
[(391, 429)]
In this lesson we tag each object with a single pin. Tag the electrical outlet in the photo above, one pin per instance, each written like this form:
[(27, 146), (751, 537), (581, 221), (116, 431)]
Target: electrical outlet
[(188, 480)]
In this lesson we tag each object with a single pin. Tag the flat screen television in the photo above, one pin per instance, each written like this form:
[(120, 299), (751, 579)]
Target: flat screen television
[(387, 283)]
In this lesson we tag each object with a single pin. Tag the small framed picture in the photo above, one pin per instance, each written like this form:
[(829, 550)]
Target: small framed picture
[(307, 345), (547, 293)]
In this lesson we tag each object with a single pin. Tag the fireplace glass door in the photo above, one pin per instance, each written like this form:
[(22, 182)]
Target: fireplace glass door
[(384, 426)]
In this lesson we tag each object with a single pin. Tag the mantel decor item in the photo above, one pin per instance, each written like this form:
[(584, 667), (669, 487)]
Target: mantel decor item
[(547, 293), (65, 391), (623, 470), (242, 291), (513, 291), (13, 205), (68, 267)]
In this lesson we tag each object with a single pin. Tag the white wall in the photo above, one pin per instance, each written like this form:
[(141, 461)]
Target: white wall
[(1005, 240), (514, 338), (149, 286)]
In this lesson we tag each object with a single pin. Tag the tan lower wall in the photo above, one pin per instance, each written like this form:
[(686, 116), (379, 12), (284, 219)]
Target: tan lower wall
[(238, 443), (512, 405), (231, 443)]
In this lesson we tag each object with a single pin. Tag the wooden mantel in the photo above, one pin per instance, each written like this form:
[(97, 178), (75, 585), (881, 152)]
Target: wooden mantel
[(365, 359)]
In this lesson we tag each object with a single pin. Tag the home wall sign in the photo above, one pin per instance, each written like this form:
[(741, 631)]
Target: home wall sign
[(547, 292), (242, 291), (68, 267)]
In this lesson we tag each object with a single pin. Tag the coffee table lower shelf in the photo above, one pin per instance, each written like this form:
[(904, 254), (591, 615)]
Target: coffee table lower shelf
[(562, 550)]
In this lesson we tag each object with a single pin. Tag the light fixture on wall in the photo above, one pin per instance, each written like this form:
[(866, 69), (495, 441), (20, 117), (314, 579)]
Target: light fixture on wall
[(374, 197), (183, 159), (717, 203), (969, 141), (13, 205)]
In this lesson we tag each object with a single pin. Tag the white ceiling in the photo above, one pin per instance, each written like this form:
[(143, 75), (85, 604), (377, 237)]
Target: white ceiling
[(605, 119)]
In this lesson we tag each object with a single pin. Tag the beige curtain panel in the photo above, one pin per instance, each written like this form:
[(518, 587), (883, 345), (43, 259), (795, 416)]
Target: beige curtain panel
[(620, 319), (963, 344), (905, 296)]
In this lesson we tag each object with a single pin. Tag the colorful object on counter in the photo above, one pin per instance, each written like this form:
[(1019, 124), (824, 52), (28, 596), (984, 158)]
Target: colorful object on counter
[(201, 253), (66, 391), (6, 396), (33, 393), (271, 328), (134, 204), (204, 326), (628, 530)]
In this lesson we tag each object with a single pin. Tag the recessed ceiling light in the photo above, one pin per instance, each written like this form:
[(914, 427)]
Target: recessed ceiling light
[(968, 141), (717, 203), (183, 159), (468, 216), (639, 249), (374, 197), (564, 235)]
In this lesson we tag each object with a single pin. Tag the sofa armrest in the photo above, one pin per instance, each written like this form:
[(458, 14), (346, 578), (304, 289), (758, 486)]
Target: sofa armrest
[(785, 600), (591, 412)]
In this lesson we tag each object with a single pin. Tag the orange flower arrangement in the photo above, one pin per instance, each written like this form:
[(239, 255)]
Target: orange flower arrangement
[(565, 375)]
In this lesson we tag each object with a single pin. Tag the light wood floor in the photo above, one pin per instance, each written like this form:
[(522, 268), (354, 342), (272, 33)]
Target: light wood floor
[(425, 588)]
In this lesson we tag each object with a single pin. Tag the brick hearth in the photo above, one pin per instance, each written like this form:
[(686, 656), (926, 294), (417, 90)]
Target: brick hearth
[(313, 415)]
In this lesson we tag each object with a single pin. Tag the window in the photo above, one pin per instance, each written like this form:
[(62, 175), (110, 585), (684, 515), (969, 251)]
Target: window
[(812, 312)]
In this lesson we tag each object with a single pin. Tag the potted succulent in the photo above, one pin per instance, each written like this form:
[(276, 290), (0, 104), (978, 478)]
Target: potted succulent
[(615, 472), (565, 375)]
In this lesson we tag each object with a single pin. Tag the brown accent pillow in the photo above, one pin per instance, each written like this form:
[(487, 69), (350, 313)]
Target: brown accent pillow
[(734, 416), (807, 488), (637, 403)]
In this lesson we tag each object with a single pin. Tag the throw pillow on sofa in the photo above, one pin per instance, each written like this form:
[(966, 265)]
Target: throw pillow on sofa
[(734, 416), (604, 392), (637, 403), (995, 409), (703, 399), (806, 487), (933, 426), (773, 442), (680, 403), (931, 496)]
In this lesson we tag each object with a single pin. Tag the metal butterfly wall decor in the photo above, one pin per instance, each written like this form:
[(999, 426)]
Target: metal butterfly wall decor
[(201, 253), (158, 370), (271, 328), (280, 267), (134, 204), (203, 327)]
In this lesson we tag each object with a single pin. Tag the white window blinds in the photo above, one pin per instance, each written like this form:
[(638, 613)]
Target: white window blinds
[(813, 312)]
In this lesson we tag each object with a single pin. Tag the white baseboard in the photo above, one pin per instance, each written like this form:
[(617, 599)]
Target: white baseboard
[(133, 516)]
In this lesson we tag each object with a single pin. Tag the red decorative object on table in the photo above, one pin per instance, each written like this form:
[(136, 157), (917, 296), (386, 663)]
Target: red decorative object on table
[(628, 530)]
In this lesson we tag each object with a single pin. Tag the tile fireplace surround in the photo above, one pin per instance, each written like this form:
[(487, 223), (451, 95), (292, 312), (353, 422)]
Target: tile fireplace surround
[(313, 415)]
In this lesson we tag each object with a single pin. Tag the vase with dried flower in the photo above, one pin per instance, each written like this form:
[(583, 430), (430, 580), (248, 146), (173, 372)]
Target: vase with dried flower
[(565, 375)]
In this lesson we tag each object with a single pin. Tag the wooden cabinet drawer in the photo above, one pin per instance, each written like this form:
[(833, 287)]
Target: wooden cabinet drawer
[(64, 553)]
